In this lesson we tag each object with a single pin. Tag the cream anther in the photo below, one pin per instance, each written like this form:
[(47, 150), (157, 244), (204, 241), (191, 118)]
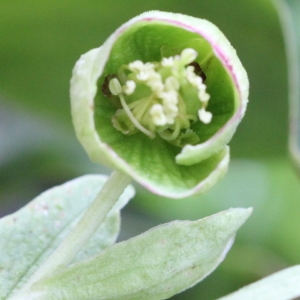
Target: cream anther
[(154, 81), (192, 77), (170, 102), (157, 114), (167, 61), (204, 116), (203, 96), (129, 87), (115, 86), (136, 66), (143, 75), (188, 55), (169, 97), (171, 112)]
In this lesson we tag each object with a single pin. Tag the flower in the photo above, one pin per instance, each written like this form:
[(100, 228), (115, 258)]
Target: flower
[(160, 100)]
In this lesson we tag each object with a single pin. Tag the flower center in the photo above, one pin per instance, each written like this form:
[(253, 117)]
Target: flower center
[(162, 98)]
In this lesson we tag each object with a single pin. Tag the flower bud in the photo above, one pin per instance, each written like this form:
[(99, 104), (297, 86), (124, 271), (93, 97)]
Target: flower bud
[(160, 100)]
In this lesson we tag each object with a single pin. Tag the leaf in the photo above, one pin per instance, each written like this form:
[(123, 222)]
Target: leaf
[(283, 285), (29, 236), (155, 265)]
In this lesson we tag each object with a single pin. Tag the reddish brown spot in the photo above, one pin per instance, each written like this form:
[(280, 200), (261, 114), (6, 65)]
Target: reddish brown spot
[(105, 86), (198, 71), (114, 100)]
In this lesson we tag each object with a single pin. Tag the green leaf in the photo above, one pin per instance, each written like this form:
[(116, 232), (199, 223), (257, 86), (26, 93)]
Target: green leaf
[(155, 265), (283, 285), (29, 236)]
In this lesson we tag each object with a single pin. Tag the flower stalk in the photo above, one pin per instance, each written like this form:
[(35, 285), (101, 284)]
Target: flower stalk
[(83, 230)]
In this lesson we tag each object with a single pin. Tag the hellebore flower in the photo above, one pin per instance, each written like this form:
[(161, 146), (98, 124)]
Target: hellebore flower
[(159, 101)]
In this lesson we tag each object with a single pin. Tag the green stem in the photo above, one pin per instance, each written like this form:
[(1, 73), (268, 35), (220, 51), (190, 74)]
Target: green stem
[(84, 229)]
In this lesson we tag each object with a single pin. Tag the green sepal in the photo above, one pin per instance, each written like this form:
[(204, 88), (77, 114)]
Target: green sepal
[(163, 168)]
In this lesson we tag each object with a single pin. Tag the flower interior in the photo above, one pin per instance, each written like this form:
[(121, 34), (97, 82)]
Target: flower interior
[(162, 88), (163, 82), (162, 98)]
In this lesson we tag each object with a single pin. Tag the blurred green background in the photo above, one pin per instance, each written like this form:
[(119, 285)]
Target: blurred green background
[(40, 42)]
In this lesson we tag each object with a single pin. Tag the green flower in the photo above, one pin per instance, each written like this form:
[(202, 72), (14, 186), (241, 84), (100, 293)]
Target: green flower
[(160, 100)]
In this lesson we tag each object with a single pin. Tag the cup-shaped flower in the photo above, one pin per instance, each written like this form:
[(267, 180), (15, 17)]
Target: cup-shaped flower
[(160, 100)]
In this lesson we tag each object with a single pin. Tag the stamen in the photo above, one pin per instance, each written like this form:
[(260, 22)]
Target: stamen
[(170, 137), (155, 82), (133, 119), (134, 104), (188, 55), (169, 97), (170, 101), (171, 113), (143, 75), (115, 86), (156, 86), (140, 111), (167, 62), (204, 116), (194, 80), (171, 83), (136, 66), (129, 87), (203, 96), (156, 102), (157, 115), (175, 134)]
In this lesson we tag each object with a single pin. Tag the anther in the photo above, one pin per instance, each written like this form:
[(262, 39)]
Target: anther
[(157, 115), (188, 55), (204, 116), (115, 86), (129, 87)]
